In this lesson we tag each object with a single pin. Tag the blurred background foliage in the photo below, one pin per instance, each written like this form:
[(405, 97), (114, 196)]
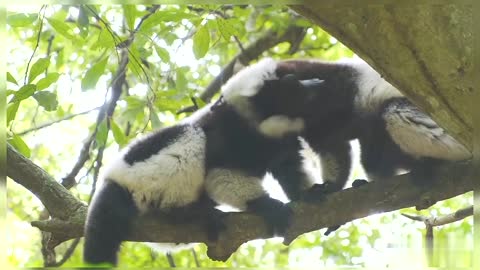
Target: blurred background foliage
[(60, 65)]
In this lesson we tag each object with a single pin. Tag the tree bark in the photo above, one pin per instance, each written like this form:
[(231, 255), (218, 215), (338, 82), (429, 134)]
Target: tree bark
[(68, 213), (424, 50)]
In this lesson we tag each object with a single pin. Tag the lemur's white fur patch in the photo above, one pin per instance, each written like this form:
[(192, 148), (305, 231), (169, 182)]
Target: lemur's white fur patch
[(373, 90), (417, 134), (246, 83), (172, 177), (249, 80), (232, 187), (278, 126)]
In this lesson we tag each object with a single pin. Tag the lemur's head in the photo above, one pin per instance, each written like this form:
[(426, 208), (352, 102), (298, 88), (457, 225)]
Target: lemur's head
[(274, 104)]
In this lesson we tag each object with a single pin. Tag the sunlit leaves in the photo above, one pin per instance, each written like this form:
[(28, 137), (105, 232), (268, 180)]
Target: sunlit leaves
[(130, 13), (102, 134), (47, 100), (134, 63), (135, 107), (18, 143), (47, 81), (83, 20), (92, 75), (105, 40), (155, 121), (118, 134), (163, 16), (24, 92), (162, 53), (201, 41), (21, 19), (12, 109), (181, 80), (62, 28), (11, 79), (38, 68), (226, 28)]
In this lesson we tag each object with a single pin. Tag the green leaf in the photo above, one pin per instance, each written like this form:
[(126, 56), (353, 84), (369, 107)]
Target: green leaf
[(83, 20), (38, 68), (130, 12), (60, 60), (47, 81), (163, 16), (162, 53), (11, 79), (12, 109), (21, 19), (135, 106), (47, 100), (105, 40), (226, 28), (156, 124), (24, 92), (134, 63), (102, 134), (181, 80), (118, 134), (62, 28), (93, 74), (201, 42), (17, 143)]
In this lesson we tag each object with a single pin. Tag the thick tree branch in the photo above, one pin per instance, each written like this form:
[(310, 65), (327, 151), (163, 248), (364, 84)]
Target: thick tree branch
[(56, 198), (341, 207), (430, 60)]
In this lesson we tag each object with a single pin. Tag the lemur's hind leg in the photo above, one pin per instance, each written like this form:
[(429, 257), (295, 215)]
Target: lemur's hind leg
[(244, 192), (335, 162)]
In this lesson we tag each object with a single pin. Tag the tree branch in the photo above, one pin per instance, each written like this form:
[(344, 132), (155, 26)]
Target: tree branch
[(382, 196), (432, 67), (56, 198), (431, 222), (443, 220), (271, 38)]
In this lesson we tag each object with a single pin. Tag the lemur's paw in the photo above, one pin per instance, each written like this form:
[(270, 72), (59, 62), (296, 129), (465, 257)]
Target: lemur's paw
[(359, 182), (318, 192)]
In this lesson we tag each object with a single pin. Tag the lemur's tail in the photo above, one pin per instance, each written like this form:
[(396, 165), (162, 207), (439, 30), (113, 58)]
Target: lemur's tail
[(108, 222)]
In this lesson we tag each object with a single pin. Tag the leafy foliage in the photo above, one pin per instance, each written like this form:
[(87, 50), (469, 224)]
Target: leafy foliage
[(173, 55)]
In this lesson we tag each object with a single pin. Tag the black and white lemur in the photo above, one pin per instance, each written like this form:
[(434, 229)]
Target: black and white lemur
[(227, 147), (355, 102), (168, 170)]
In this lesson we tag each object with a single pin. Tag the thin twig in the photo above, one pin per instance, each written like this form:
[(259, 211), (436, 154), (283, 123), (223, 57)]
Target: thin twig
[(56, 121), (68, 253), (171, 260), (431, 222), (37, 43), (443, 220), (106, 109), (195, 258)]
